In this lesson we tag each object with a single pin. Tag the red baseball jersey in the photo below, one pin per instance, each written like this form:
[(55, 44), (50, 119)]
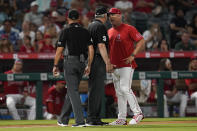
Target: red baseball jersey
[(188, 82), (121, 44), (14, 87), (55, 100)]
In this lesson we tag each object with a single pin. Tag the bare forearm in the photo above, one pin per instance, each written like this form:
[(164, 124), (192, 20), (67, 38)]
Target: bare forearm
[(140, 46), (103, 51), (90, 55), (58, 55)]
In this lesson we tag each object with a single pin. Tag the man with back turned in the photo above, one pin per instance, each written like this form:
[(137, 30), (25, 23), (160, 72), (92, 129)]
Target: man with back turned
[(75, 42)]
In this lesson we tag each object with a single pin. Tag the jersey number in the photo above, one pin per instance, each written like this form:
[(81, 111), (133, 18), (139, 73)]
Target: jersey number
[(104, 38)]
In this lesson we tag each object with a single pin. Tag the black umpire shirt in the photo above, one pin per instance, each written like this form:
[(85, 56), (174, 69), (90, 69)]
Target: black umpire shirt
[(76, 38), (98, 34)]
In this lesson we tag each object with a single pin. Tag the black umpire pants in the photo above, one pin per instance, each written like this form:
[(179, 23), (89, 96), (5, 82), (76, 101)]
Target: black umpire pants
[(73, 72), (96, 88)]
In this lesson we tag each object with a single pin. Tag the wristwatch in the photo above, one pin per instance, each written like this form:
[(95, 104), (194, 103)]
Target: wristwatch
[(132, 55)]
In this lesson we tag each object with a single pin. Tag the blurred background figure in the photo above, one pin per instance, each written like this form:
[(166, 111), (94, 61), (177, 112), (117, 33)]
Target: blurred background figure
[(152, 37), (55, 100), (14, 91), (177, 27), (192, 83), (5, 45), (185, 44), (171, 93), (34, 16), (11, 33)]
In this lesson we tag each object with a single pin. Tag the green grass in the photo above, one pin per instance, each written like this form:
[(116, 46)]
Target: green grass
[(144, 127)]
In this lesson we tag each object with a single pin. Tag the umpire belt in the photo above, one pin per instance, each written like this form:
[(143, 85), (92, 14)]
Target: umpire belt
[(81, 58)]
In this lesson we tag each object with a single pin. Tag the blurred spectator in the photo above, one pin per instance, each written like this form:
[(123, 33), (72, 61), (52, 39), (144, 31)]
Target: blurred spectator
[(186, 4), (163, 46), (49, 27), (3, 15), (5, 45), (55, 99), (124, 5), (86, 21), (152, 37), (14, 90), (12, 34), (8, 8), (47, 23), (22, 5), (47, 45), (192, 83), (171, 94), (27, 46), (192, 29), (57, 11), (184, 44), (33, 27), (39, 40), (177, 26), (26, 31), (34, 16), (145, 6)]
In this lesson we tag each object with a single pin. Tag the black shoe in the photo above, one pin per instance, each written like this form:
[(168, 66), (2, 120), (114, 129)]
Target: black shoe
[(103, 123), (79, 125), (91, 123), (99, 123)]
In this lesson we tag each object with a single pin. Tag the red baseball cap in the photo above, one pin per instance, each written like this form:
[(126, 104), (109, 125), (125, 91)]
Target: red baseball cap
[(114, 11), (63, 82)]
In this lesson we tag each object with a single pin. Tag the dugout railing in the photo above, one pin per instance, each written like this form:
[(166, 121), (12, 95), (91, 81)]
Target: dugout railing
[(40, 77)]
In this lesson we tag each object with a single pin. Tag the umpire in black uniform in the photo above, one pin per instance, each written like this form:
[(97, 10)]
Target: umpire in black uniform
[(75, 41), (100, 65)]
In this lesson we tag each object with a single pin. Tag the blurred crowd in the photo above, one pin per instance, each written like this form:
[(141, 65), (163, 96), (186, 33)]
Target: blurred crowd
[(33, 26)]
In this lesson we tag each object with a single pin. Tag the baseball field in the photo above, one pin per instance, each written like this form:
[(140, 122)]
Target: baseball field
[(148, 124)]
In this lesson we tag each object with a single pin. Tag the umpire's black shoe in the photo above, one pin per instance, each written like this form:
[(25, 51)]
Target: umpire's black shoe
[(100, 123), (79, 125), (103, 123)]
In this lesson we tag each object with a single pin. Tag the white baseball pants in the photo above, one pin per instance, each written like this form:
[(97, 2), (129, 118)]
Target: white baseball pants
[(178, 97), (122, 78), (194, 97), (13, 99)]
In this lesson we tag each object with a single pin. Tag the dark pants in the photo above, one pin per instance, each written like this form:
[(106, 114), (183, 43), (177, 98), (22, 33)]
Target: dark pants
[(73, 71), (96, 88)]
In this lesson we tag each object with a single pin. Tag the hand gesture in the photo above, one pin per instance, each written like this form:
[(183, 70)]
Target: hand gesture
[(110, 68), (56, 71), (87, 70), (129, 60)]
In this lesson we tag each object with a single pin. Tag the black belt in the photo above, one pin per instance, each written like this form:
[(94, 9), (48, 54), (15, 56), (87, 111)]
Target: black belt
[(81, 58)]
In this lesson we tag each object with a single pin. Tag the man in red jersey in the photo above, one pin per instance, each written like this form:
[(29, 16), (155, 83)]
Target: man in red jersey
[(14, 92), (192, 83), (122, 55), (55, 99)]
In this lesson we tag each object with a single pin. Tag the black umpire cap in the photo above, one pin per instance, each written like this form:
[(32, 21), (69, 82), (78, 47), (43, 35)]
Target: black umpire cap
[(73, 14), (100, 10)]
